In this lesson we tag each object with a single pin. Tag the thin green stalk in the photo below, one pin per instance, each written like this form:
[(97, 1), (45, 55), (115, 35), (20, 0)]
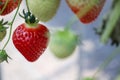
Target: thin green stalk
[(107, 61), (4, 7), (11, 25), (27, 6), (71, 22)]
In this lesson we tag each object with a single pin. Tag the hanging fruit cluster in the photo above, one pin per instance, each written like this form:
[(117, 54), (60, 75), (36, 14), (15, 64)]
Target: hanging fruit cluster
[(31, 38)]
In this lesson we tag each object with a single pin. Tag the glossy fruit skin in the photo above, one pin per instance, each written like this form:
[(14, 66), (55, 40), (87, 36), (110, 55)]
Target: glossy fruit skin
[(76, 6), (44, 10), (63, 43), (12, 4), (31, 42)]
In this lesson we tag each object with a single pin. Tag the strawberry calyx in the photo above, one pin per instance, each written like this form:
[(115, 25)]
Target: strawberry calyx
[(30, 19), (2, 25), (4, 56)]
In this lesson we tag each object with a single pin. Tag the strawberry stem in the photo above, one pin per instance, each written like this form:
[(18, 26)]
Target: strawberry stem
[(11, 25), (27, 6), (107, 61), (71, 22), (29, 18), (115, 14), (4, 7)]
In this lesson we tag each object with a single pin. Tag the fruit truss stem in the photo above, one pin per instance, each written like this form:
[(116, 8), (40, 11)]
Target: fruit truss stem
[(107, 61), (71, 22), (11, 25), (27, 6), (4, 7)]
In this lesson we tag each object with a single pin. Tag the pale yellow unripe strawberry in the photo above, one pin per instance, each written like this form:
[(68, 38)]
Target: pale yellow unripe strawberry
[(44, 10)]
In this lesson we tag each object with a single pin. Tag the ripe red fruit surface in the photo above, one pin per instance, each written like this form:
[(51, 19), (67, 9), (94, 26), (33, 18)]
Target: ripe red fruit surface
[(11, 5), (31, 41), (78, 6)]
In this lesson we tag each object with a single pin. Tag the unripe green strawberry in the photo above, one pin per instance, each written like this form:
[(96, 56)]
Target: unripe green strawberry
[(44, 10), (63, 43)]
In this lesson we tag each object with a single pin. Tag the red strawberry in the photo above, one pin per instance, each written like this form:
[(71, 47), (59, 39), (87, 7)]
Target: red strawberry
[(11, 5), (31, 38), (86, 10)]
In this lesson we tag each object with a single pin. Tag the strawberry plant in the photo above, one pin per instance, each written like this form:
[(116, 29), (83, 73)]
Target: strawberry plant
[(33, 35), (110, 31), (110, 27), (31, 38), (4, 10)]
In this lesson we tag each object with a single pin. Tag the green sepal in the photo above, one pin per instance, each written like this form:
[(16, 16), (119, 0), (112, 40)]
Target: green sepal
[(29, 17), (4, 56), (2, 25)]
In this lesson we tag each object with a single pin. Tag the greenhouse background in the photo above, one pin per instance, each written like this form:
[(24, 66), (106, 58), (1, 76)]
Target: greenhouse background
[(84, 62)]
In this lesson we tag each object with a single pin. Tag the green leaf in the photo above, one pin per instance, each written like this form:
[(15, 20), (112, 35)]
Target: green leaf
[(114, 17)]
